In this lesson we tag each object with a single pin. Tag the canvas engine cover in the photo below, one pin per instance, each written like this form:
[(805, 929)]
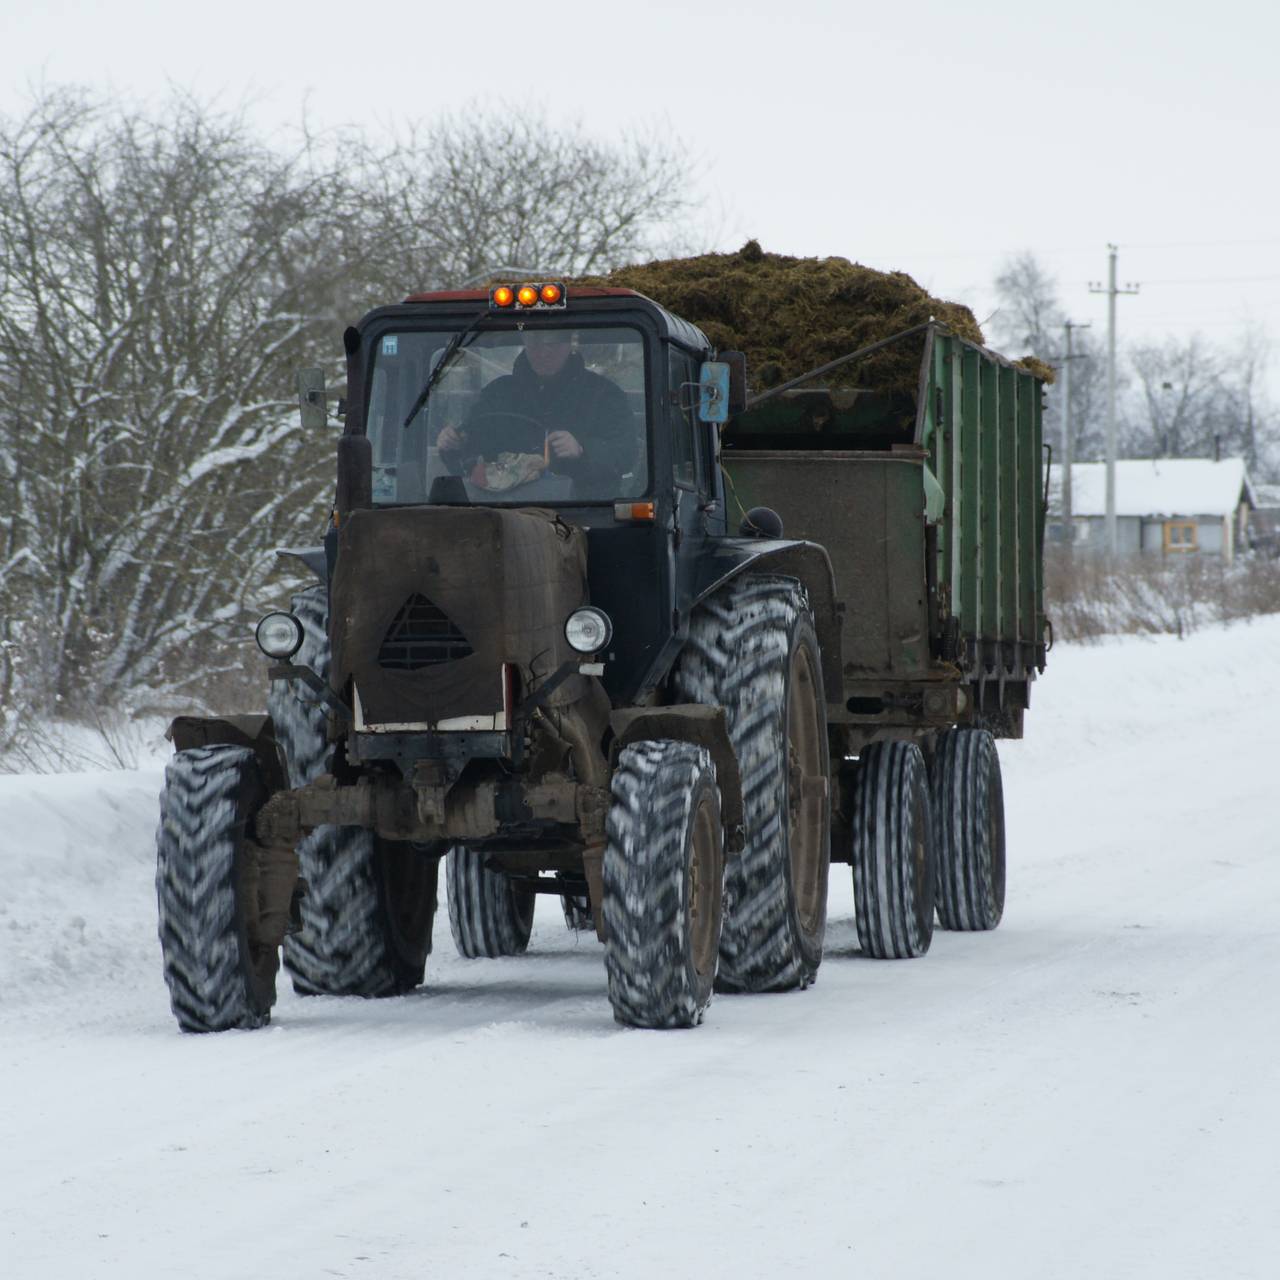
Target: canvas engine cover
[(428, 603)]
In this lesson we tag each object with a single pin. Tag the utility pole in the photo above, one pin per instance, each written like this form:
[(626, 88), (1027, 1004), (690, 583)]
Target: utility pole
[(1111, 291), (1068, 444)]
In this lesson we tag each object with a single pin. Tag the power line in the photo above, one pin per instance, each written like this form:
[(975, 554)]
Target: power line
[(1200, 244), (1213, 280), (1082, 248)]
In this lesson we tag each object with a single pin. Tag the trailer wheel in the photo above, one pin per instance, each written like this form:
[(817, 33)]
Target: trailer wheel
[(752, 649), (663, 884), (369, 903), (489, 915), (220, 953), (968, 824), (893, 858)]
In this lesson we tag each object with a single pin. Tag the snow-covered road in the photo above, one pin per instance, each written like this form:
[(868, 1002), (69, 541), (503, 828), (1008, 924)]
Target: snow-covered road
[(1091, 1091)]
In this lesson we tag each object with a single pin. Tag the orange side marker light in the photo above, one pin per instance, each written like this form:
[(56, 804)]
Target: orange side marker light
[(633, 511)]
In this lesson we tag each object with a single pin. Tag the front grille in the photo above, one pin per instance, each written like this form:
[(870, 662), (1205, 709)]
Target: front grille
[(421, 636)]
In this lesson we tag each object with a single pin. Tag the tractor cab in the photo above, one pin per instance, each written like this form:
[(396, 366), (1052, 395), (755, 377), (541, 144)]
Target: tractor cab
[(536, 395), (594, 403)]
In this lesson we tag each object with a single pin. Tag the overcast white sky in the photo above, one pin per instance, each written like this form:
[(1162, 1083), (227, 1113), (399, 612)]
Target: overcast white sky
[(933, 137)]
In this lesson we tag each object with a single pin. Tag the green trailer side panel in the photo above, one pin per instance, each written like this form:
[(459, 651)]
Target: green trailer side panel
[(1010, 628), (970, 476), (946, 452), (992, 623), (1028, 508), (1036, 635), (955, 577)]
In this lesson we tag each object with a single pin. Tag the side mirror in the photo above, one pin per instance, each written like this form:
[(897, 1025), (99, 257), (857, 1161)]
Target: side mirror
[(713, 392), (315, 416)]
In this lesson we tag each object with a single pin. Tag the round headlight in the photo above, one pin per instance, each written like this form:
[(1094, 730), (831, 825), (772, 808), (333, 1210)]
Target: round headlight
[(279, 636), (588, 629)]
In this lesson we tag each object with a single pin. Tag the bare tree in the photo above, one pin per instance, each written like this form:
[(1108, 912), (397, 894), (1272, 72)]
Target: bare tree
[(160, 278), (148, 318), (1028, 313), (465, 194), (1184, 410), (1258, 425), (1029, 319)]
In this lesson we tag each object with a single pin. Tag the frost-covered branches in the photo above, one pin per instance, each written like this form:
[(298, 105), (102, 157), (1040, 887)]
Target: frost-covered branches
[(454, 199), (161, 277), (150, 310)]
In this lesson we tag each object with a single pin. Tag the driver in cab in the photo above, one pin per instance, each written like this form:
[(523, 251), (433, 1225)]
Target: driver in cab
[(549, 414)]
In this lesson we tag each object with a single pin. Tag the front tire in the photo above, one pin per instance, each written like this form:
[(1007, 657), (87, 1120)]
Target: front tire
[(663, 884), (369, 905), (489, 915), (968, 822), (753, 650), (219, 949), (893, 862)]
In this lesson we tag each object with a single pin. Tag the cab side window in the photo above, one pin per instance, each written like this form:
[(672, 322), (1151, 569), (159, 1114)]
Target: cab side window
[(682, 395)]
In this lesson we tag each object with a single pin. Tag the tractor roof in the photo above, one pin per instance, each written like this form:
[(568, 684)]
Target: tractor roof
[(678, 330)]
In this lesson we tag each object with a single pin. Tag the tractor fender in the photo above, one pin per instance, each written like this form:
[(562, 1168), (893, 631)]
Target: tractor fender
[(255, 731), (312, 557), (806, 561), (704, 727)]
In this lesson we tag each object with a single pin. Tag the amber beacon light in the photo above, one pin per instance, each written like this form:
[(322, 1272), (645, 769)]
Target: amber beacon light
[(526, 297)]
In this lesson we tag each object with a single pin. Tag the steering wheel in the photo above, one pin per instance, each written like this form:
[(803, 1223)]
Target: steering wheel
[(508, 413)]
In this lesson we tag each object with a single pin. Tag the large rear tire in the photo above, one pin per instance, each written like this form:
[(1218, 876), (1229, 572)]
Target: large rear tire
[(219, 949), (968, 823), (489, 915), (366, 915), (752, 649), (369, 904), (893, 861), (663, 884)]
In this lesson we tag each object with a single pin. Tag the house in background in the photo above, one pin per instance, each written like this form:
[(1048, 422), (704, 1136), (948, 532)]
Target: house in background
[(1164, 506), (1264, 523)]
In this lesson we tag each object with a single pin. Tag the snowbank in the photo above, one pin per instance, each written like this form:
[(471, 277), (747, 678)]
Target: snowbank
[(77, 862)]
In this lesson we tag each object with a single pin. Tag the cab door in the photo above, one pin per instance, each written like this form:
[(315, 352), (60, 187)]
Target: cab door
[(693, 478)]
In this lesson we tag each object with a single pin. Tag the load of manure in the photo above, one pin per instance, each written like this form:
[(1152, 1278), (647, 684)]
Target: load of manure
[(790, 315)]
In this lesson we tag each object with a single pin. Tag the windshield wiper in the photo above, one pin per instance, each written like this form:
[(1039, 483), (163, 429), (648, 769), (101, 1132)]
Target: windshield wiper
[(451, 350)]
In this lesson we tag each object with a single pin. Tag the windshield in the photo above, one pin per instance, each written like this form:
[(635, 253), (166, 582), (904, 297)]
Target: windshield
[(543, 415)]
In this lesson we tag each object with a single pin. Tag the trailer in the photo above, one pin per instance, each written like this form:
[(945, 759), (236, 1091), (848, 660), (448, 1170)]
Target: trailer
[(932, 512)]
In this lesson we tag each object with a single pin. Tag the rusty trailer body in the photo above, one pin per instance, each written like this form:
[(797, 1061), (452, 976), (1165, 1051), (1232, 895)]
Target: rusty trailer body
[(931, 509)]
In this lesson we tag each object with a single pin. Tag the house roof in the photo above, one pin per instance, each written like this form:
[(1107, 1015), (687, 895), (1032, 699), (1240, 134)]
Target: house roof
[(1157, 487)]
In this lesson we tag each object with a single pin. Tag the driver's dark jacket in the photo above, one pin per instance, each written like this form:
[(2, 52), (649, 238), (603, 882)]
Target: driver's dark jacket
[(591, 407)]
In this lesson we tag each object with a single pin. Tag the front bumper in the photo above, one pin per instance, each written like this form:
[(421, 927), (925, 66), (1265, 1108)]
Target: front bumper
[(428, 808)]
